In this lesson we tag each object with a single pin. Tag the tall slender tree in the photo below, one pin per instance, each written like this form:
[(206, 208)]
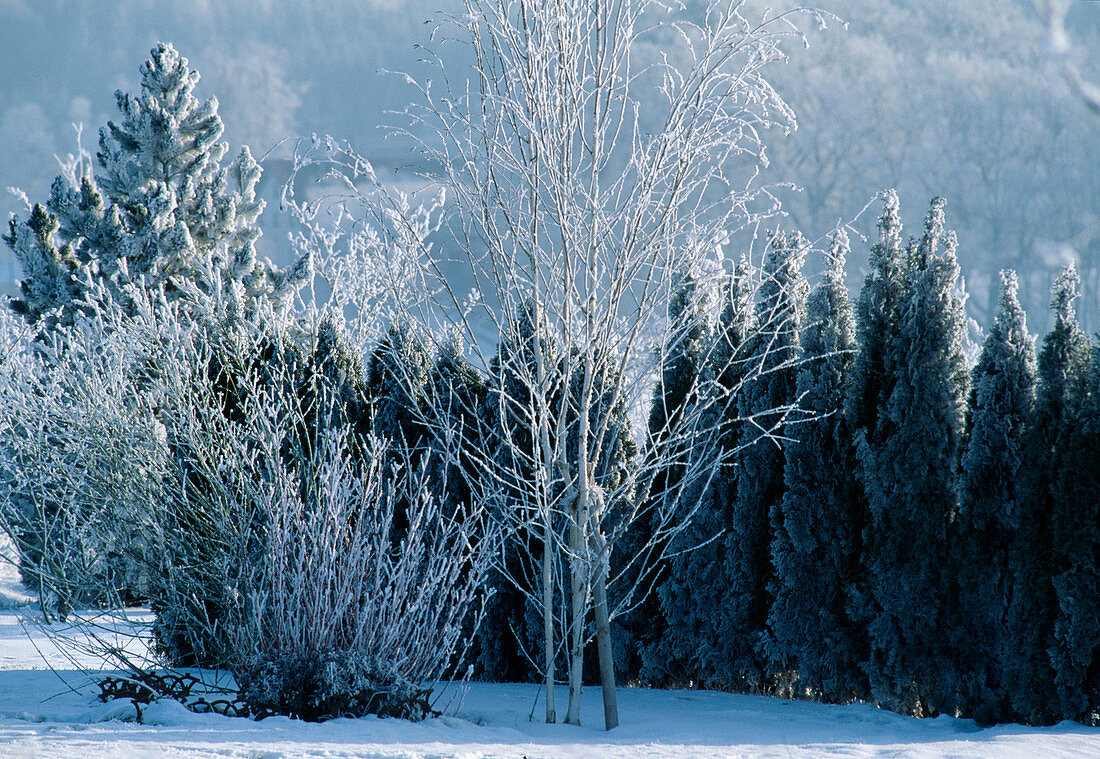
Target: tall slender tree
[(683, 358), (693, 594), (1028, 670), (764, 407), (818, 524), (1075, 529), (909, 475), (508, 639), (457, 392), (989, 506), (877, 324)]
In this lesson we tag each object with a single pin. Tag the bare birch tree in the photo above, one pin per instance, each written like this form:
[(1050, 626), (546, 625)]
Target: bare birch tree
[(597, 152)]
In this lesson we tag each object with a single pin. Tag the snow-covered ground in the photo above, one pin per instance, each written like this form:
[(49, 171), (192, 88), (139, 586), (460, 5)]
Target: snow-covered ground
[(54, 714)]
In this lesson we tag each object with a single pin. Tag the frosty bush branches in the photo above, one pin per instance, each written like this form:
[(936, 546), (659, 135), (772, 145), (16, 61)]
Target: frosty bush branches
[(221, 461), (316, 563), (82, 457)]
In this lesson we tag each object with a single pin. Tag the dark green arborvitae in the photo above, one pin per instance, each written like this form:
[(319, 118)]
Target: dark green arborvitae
[(456, 397), (872, 378), (694, 593), (675, 397), (819, 522), (161, 210), (511, 620), (909, 474), (396, 384), (1028, 673), (989, 507), (397, 379), (1075, 555), (764, 406), (877, 325)]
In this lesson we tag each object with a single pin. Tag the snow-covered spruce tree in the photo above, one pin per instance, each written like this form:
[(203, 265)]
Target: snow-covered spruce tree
[(694, 590), (989, 508), (1028, 672), (683, 358), (911, 482), (764, 405), (160, 209), (818, 525)]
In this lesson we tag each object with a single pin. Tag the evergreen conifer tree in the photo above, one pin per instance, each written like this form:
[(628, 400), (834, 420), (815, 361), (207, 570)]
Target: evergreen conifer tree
[(397, 379), (877, 324), (989, 506), (682, 359), (693, 593), (1075, 528), (819, 522), (511, 618), (161, 210), (872, 378), (763, 404), (1028, 671), (456, 397), (910, 479)]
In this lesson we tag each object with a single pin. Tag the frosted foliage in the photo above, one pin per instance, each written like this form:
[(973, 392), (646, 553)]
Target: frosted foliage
[(161, 209), (694, 595), (683, 357), (909, 478), (1075, 543), (818, 525), (583, 182), (877, 322)]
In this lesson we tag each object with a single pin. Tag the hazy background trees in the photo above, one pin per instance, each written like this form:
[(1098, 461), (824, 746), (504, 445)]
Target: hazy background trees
[(956, 99)]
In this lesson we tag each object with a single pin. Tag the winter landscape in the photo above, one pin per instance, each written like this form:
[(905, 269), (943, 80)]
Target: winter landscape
[(509, 378)]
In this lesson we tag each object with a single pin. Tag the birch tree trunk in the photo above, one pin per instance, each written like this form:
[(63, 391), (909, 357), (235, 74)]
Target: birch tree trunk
[(548, 620)]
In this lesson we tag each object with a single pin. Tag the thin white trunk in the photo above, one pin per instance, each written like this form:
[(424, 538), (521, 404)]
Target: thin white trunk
[(576, 642), (603, 645), (548, 623)]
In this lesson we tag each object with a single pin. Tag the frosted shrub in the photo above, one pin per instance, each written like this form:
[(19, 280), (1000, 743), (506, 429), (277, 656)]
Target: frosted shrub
[(82, 457), (281, 553), (324, 686)]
